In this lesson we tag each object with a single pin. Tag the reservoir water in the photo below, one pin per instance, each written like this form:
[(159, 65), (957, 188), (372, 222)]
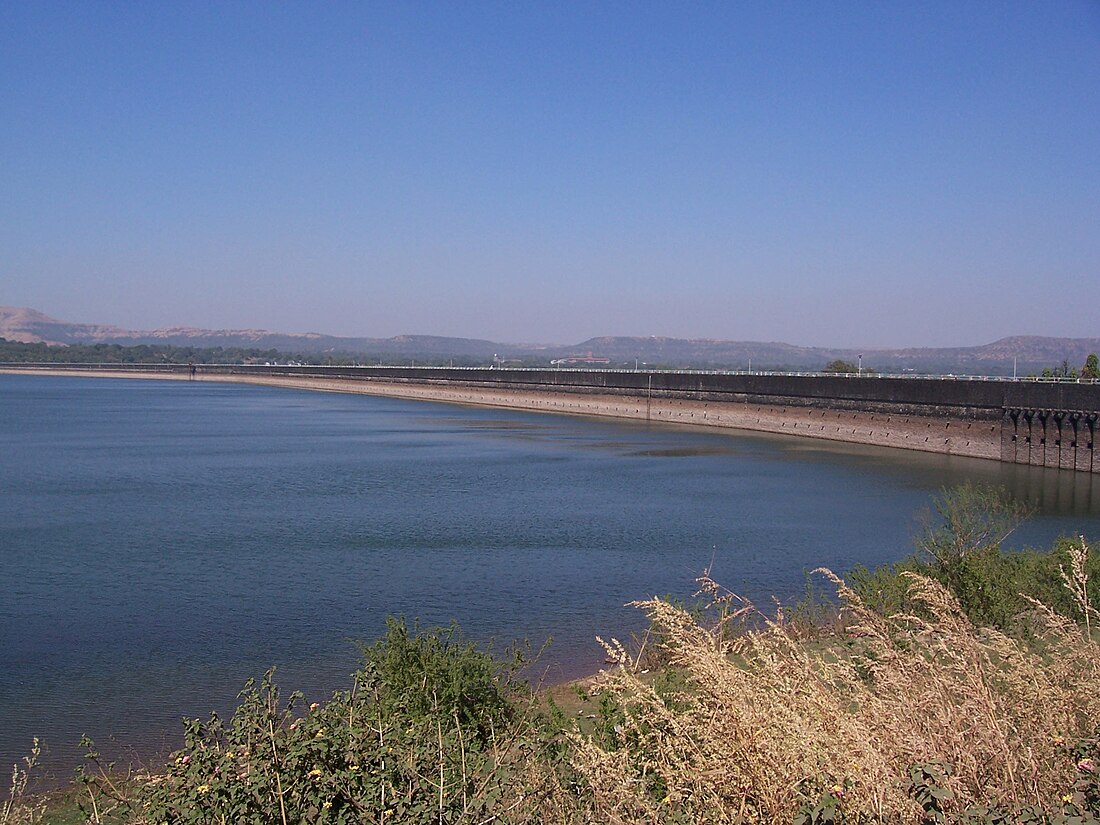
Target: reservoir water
[(160, 542)]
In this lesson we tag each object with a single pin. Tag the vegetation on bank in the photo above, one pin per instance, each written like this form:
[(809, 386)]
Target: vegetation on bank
[(961, 685)]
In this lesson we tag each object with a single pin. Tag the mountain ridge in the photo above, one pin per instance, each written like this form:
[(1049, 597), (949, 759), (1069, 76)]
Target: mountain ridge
[(1025, 352)]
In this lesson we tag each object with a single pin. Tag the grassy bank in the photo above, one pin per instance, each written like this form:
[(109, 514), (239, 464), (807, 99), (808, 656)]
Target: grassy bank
[(961, 685)]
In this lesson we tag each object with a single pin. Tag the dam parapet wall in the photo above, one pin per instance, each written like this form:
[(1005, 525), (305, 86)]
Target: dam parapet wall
[(1044, 423), (981, 398)]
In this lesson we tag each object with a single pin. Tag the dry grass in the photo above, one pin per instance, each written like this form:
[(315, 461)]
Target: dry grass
[(17, 808), (768, 722)]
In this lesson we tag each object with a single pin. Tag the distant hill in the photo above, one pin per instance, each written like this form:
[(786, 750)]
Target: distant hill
[(30, 326), (1032, 353)]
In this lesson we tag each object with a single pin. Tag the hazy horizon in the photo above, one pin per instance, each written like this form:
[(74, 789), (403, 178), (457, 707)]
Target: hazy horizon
[(532, 343), (842, 176)]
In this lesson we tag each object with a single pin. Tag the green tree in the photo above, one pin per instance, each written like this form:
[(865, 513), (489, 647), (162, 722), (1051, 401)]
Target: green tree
[(1063, 370), (840, 365), (966, 519), (1091, 368)]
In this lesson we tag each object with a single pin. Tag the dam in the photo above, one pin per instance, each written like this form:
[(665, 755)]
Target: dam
[(1024, 421)]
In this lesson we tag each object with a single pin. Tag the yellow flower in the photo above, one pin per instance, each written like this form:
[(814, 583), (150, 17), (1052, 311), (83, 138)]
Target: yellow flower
[(229, 754), (315, 773), (353, 767), (1067, 799), (327, 805), (320, 733), (204, 788)]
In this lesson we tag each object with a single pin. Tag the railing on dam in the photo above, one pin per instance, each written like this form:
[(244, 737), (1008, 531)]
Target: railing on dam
[(971, 397), (866, 375)]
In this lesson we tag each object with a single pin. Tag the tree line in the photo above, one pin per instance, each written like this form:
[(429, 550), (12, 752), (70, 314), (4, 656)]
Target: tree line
[(1091, 369), (15, 352)]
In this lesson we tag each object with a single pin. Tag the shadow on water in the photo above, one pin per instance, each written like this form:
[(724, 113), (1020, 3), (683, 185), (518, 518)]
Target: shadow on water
[(684, 452)]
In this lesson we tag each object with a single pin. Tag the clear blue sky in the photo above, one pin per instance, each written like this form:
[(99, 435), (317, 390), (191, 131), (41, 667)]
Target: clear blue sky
[(851, 174)]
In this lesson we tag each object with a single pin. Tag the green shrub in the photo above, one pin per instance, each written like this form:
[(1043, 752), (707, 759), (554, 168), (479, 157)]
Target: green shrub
[(993, 586), (418, 676), (966, 519), (960, 547), (430, 731)]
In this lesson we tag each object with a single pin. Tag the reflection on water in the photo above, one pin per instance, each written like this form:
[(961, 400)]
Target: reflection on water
[(515, 426), (684, 452), (1053, 491), (161, 542)]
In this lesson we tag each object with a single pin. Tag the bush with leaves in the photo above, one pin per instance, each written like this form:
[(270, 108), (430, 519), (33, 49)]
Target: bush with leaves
[(960, 546), (433, 730), (1091, 369)]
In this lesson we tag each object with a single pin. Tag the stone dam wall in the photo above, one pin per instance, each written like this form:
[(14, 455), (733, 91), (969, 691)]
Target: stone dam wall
[(1026, 422)]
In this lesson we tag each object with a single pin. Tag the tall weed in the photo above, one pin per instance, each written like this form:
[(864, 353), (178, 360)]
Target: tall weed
[(769, 728), (18, 808)]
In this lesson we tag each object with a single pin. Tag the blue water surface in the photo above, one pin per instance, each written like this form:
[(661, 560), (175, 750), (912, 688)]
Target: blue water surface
[(160, 542)]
